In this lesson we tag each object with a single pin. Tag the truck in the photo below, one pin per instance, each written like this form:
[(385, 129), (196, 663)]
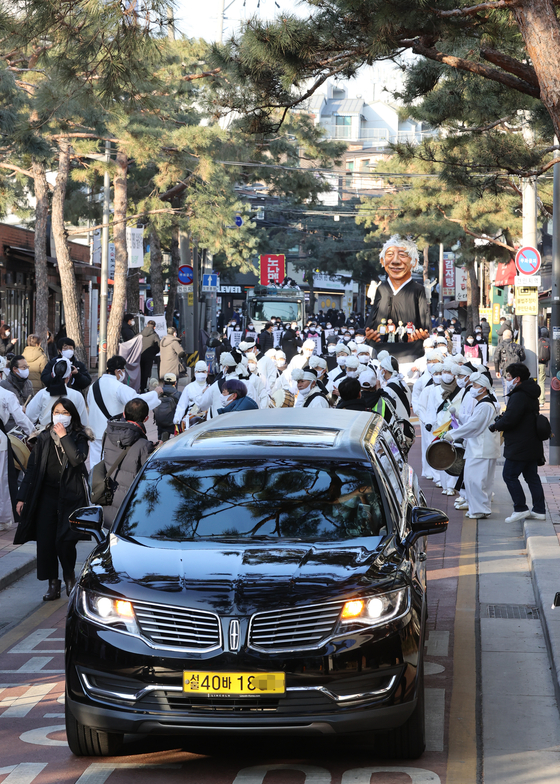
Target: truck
[(266, 302)]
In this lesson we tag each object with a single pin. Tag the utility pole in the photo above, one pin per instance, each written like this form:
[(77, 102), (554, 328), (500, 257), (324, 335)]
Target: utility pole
[(221, 12), (554, 456), (104, 286), (530, 336), (440, 307), (196, 304), (170, 23)]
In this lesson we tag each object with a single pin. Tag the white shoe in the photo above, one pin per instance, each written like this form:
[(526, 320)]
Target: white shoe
[(450, 491), (537, 516), (438, 484), (461, 506), (513, 518), (460, 500)]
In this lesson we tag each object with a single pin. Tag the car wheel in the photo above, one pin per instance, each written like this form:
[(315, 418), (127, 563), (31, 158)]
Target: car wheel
[(409, 740), (87, 742)]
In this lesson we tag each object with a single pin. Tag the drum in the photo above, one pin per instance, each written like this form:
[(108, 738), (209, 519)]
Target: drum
[(445, 456), (282, 398)]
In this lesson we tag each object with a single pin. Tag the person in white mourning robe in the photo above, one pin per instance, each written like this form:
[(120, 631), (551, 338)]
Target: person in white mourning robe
[(308, 395), (9, 409), (191, 394)]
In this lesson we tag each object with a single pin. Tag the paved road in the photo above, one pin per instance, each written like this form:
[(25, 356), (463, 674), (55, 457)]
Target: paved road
[(491, 711)]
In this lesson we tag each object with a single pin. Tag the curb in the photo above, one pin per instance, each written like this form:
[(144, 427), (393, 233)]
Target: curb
[(17, 564), (543, 552)]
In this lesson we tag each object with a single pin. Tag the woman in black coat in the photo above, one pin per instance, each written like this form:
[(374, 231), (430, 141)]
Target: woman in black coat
[(55, 484)]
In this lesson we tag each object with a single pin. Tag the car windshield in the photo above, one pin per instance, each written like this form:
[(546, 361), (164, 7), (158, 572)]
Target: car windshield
[(245, 500), (263, 311)]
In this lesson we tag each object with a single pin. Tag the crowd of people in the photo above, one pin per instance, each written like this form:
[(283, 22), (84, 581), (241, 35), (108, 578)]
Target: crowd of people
[(77, 430)]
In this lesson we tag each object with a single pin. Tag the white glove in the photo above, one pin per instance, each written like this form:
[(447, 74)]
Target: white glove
[(449, 436), (452, 410)]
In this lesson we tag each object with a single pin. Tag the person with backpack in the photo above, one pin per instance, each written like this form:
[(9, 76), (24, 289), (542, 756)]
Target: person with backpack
[(164, 414), (523, 446), (507, 353), (544, 359), (127, 435), (172, 354), (106, 399)]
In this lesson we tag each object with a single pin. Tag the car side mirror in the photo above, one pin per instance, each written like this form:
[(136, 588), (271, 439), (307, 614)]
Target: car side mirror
[(88, 520), (424, 522)]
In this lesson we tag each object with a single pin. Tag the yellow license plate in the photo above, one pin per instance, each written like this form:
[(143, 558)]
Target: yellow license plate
[(226, 684)]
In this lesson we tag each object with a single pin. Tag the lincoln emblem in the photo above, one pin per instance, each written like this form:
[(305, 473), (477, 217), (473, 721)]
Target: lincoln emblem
[(234, 634)]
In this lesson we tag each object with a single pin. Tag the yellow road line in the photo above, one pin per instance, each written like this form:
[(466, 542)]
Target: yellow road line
[(462, 758), (28, 625)]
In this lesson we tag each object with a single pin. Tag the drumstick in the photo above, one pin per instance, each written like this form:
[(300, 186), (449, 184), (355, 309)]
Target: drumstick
[(25, 404)]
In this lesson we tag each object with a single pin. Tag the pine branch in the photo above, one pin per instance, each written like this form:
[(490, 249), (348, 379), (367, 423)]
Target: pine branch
[(202, 75), (511, 65), (11, 167), (474, 9), (474, 234), (418, 47)]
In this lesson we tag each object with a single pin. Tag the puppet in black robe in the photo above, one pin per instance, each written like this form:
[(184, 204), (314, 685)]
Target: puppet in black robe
[(408, 304)]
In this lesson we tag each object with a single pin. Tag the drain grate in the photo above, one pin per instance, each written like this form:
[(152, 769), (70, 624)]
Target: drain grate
[(513, 612)]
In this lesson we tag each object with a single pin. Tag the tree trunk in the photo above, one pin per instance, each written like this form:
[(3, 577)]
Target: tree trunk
[(173, 271), (133, 291), (70, 294), (473, 299), (41, 225), (120, 204), (156, 271), (540, 30), (426, 264)]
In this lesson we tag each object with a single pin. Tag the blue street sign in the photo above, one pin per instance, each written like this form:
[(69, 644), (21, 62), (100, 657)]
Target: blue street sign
[(238, 221), (528, 261), (210, 281), (185, 275)]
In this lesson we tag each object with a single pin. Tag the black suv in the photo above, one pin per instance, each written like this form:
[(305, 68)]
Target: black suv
[(264, 575)]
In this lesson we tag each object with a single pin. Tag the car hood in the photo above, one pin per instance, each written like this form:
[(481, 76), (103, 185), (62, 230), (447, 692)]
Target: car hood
[(236, 579)]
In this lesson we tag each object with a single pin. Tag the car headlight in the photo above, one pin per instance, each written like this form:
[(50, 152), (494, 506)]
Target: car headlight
[(117, 613), (377, 609)]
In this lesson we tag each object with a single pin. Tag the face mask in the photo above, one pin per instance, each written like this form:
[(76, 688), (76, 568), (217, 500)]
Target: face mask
[(23, 373), (200, 377), (62, 419), (304, 392), (352, 331), (447, 378), (437, 378), (510, 385), (360, 338), (329, 326), (470, 341), (225, 400), (120, 375), (331, 348), (475, 391), (7, 333), (352, 373), (68, 353), (280, 363), (364, 358), (341, 360), (252, 366), (312, 329), (250, 327), (462, 381)]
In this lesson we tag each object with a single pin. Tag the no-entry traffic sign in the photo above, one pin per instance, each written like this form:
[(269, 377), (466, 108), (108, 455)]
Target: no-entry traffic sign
[(185, 275), (528, 261)]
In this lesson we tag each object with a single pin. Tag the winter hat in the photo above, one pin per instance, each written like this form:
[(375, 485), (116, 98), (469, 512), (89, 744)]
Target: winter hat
[(481, 379), (435, 354), (318, 362), (429, 343), (458, 358), (450, 367), (308, 344), (438, 368), (388, 363), (171, 378), (271, 353), (352, 363), (465, 370), (382, 355), (368, 379), (200, 366), (245, 345), (299, 374), (227, 360), (342, 348)]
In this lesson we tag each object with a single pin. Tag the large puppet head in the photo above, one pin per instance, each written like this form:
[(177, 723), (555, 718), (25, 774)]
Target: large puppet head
[(399, 257)]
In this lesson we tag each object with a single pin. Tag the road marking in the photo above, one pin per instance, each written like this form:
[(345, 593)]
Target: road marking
[(20, 706), (29, 644), (99, 772), (256, 774), (437, 644), (431, 668), (417, 775), (31, 622), (54, 716), (435, 719), (40, 736), (24, 773), (35, 665), (462, 752)]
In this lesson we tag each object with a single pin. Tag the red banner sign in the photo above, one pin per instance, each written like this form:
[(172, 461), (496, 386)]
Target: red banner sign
[(273, 268), (448, 274)]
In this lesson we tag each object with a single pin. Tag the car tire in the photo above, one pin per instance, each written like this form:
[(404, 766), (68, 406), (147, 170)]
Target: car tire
[(86, 742), (409, 740)]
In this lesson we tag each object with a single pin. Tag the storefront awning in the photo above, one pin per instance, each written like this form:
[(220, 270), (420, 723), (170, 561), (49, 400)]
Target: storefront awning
[(505, 275)]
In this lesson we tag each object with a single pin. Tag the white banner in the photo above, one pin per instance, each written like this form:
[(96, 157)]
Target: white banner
[(111, 264), (135, 246), (461, 284)]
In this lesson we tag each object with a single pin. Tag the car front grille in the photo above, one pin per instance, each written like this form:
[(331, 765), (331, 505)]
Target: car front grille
[(301, 628), (177, 627)]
